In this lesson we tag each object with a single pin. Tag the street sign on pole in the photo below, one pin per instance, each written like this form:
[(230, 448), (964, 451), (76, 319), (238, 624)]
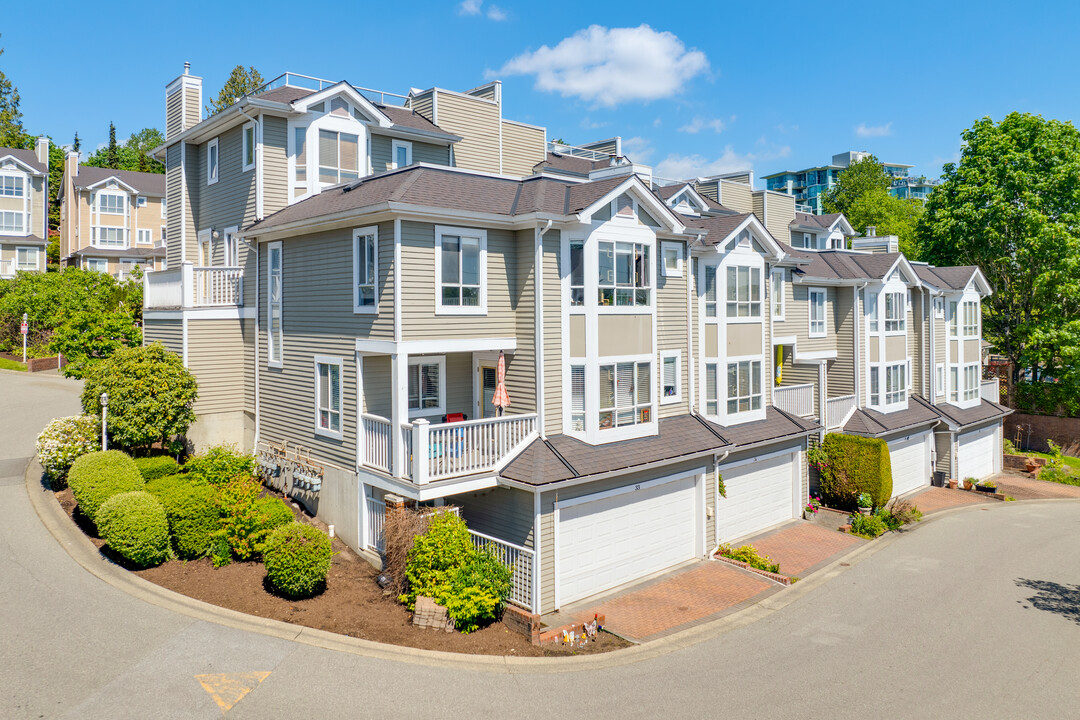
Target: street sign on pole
[(24, 329)]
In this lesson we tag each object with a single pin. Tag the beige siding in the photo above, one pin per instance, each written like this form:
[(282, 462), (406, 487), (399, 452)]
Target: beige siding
[(419, 320), (801, 374), (275, 169), (708, 189), (192, 106), (797, 318), (916, 343), (736, 196), (382, 153), (607, 146), (552, 333), (39, 207), (422, 104), (523, 147), (943, 443), (220, 361), (841, 380), (757, 202), (671, 335), (779, 212), (521, 366), (501, 512), (477, 122), (169, 333)]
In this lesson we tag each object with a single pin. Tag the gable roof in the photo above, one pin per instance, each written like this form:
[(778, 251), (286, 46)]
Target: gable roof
[(872, 423), (843, 265), (954, 278), (142, 182), (25, 157), (720, 228), (571, 164), (963, 417)]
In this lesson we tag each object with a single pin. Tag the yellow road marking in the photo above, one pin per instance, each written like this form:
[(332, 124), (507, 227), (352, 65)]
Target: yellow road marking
[(227, 689)]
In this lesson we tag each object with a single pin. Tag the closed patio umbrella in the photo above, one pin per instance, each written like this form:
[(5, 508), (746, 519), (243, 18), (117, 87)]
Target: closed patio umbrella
[(500, 399)]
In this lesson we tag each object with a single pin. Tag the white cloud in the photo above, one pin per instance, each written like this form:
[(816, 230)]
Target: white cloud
[(609, 66), (873, 130), (496, 13), (699, 123), (657, 122), (683, 167), (470, 7), (787, 129), (637, 149), (589, 124)]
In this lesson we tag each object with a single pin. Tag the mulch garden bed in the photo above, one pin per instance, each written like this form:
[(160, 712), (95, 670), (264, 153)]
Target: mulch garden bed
[(352, 604)]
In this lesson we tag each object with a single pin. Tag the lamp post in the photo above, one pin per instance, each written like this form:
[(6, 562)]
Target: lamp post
[(104, 410)]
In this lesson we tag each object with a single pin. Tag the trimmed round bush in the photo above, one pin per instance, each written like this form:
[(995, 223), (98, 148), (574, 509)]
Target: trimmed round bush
[(63, 441), (297, 559), (96, 477), (157, 466), (855, 465), (273, 513), (221, 465), (193, 516), (135, 527)]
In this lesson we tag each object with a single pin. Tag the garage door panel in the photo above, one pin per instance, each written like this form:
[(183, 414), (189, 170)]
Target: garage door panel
[(976, 453), (617, 539), (910, 460), (760, 494)]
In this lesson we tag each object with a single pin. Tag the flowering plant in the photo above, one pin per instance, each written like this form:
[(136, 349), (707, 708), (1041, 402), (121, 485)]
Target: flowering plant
[(814, 504), (864, 500), (63, 441)]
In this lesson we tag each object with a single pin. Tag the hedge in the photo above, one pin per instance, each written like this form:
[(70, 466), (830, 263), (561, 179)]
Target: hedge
[(156, 466), (135, 527), (855, 465), (220, 465), (297, 559), (97, 476), (193, 516)]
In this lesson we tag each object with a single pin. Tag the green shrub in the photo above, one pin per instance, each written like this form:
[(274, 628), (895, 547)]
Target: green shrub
[(855, 465), (443, 564), (135, 527), (220, 465), (151, 395), (899, 512), (867, 526), (1055, 469), (1007, 447), (62, 442), (749, 555), (96, 477), (156, 466), (246, 519), (191, 511), (275, 513), (297, 559)]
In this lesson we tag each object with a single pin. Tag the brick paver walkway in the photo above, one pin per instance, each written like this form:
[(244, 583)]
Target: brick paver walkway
[(703, 592), (935, 498), (803, 547), (1022, 487)]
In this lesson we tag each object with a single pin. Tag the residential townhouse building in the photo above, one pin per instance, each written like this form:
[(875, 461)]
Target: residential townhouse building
[(111, 220), (24, 208), (657, 400)]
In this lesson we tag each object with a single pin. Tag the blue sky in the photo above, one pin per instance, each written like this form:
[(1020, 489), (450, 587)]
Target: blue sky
[(692, 88)]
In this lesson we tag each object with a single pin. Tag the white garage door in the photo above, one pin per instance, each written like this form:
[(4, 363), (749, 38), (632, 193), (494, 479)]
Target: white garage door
[(760, 494), (976, 453), (910, 457), (615, 539)]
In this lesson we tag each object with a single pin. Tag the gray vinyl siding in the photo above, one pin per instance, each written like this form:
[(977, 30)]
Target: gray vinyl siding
[(552, 333), (671, 335), (220, 362), (169, 333), (521, 366), (378, 382), (501, 512), (173, 211), (174, 113), (231, 200), (419, 321), (841, 380), (422, 105), (382, 153), (609, 146), (275, 159)]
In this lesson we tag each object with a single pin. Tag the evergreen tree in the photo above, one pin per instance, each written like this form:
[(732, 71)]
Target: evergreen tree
[(112, 152), (133, 154), (240, 83), (78, 143)]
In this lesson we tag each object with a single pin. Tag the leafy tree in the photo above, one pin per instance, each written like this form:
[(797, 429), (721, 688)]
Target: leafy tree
[(151, 395), (133, 154), (88, 337), (12, 133), (240, 83), (861, 193), (1012, 207)]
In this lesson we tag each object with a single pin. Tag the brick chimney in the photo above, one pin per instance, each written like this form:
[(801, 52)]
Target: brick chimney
[(41, 149), (183, 103)]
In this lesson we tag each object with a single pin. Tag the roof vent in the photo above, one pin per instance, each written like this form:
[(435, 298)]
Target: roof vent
[(187, 68), (871, 231)]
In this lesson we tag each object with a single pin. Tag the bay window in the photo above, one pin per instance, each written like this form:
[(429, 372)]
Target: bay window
[(300, 151), (460, 270), (952, 318), (895, 312), (577, 398), (778, 294), (875, 386), (744, 386), (26, 258), (339, 157), (712, 401), (108, 237), (872, 310), (111, 203), (625, 394), (710, 291), (971, 383), (11, 221), (577, 273), (11, 186), (624, 274), (895, 383), (971, 318), (743, 292)]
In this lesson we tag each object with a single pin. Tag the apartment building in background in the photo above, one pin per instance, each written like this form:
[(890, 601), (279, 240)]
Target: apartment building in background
[(24, 208)]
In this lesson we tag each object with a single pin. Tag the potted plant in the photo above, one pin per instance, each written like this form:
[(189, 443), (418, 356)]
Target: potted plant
[(987, 486), (865, 503), (952, 483), (812, 507), (1030, 465), (969, 483)]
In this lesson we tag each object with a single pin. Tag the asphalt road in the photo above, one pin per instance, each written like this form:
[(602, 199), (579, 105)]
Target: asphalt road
[(975, 614)]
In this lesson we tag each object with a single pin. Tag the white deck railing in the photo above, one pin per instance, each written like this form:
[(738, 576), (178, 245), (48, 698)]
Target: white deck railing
[(376, 527), (218, 286), (837, 410), (464, 448), (520, 560), (7, 268), (991, 390), (795, 399), (378, 443), (163, 289)]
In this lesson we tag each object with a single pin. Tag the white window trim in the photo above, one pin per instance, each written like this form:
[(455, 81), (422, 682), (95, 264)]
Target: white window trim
[(613, 434), (942, 380), (810, 293), (677, 397), (273, 342), (30, 249), (481, 308), (110, 193), (321, 431), (439, 360), (737, 264), (394, 145), (939, 308), (141, 233), (902, 320), (783, 299), (357, 234), (140, 201), (722, 388), (244, 147), (213, 173), (677, 247), (164, 206)]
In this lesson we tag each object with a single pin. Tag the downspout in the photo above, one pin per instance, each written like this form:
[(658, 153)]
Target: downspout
[(538, 323), (258, 332)]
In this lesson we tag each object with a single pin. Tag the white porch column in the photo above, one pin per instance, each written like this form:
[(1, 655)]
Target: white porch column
[(823, 398), (399, 398), (361, 439)]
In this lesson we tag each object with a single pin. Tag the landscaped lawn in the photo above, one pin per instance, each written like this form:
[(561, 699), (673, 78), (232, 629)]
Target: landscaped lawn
[(1072, 462), (6, 364)]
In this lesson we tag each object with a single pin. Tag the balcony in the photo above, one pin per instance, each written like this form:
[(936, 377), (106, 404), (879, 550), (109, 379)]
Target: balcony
[(991, 390), (7, 268), (192, 286), (795, 399), (432, 452), (838, 410)]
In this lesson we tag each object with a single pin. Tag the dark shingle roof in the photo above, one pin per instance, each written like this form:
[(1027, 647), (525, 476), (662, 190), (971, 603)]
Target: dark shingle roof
[(570, 164), (28, 157), (946, 278), (145, 183), (718, 226), (865, 421), (844, 264), (412, 120), (564, 458), (154, 252), (822, 221), (286, 94), (985, 410)]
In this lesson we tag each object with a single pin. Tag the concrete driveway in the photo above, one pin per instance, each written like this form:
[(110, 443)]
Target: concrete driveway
[(973, 615)]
